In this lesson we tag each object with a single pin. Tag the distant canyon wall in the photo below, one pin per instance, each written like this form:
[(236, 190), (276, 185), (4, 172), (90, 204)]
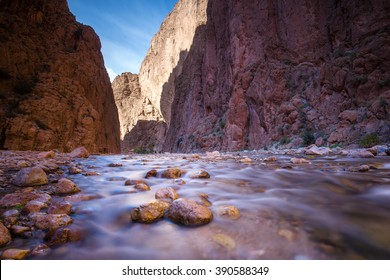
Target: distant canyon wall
[(259, 72), (54, 90)]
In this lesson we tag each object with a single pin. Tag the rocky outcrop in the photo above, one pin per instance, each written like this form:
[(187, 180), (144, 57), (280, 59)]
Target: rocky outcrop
[(137, 115), (262, 71), (54, 90)]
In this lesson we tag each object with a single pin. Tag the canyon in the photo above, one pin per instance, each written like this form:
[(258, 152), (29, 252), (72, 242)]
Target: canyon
[(249, 74), (54, 90)]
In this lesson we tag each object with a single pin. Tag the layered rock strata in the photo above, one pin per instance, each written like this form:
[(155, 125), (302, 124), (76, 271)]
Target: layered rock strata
[(54, 90)]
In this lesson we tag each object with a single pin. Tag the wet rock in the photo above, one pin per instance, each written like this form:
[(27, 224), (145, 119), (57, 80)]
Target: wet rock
[(172, 173), (269, 159), (299, 160), (179, 181), (40, 250), (5, 236), (74, 170), (288, 234), (188, 212), (134, 182), (230, 211), (30, 176), (17, 199), (245, 160), (64, 235), (364, 168), (200, 174), (361, 154), (151, 173), (213, 154), (65, 186), (225, 241), (81, 197), (204, 200), (166, 193), (49, 154), (60, 207), (80, 152), (315, 151), (23, 164), (33, 206), (116, 179), (91, 173), (20, 230), (142, 187), (48, 166), (14, 254), (115, 165), (150, 212), (50, 221)]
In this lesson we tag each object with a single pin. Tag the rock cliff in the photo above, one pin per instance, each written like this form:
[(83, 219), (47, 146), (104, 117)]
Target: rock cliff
[(260, 72), (54, 90), (137, 116)]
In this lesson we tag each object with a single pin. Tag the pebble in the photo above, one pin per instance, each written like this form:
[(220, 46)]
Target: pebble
[(142, 187), (19, 230), (151, 173), (91, 173), (18, 199), (188, 212), (115, 165), (299, 160), (225, 241), (361, 154), (74, 170), (80, 152), (30, 176), (40, 250), (65, 186), (50, 221), (14, 254), (64, 235), (33, 206), (134, 182), (23, 164), (288, 234), (166, 193), (60, 207), (230, 211), (245, 160), (49, 154), (150, 212), (200, 174), (5, 236), (268, 159), (179, 181), (172, 173), (116, 179)]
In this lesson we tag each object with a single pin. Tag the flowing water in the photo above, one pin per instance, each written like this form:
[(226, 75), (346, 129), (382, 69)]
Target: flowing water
[(288, 211)]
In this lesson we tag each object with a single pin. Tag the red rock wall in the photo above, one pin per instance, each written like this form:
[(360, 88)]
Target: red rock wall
[(54, 90), (262, 71)]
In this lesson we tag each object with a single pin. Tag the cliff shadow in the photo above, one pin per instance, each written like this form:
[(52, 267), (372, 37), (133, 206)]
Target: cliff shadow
[(145, 137)]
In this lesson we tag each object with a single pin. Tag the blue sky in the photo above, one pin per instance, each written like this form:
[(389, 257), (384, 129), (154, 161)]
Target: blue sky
[(125, 28)]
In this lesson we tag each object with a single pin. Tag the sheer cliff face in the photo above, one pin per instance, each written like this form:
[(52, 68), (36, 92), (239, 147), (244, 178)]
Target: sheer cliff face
[(259, 71), (55, 92), (168, 49), (137, 116)]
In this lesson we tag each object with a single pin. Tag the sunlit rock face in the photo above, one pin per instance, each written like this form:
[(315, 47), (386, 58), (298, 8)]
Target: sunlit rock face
[(144, 101), (141, 123), (259, 71), (55, 92)]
